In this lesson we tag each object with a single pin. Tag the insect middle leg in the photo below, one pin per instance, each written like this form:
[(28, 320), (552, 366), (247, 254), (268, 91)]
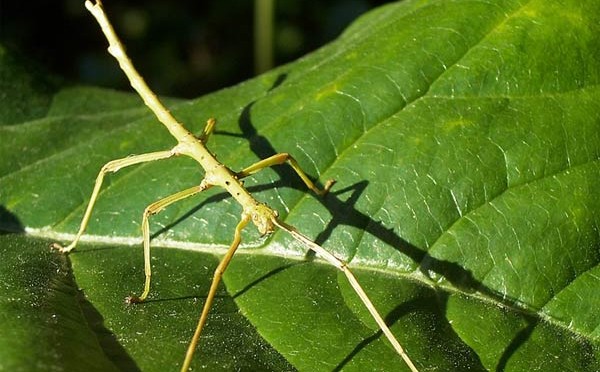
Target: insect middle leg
[(281, 158), (150, 210), (110, 167)]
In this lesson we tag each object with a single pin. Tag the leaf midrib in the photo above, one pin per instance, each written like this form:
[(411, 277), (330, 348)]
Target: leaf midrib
[(425, 94), (273, 126)]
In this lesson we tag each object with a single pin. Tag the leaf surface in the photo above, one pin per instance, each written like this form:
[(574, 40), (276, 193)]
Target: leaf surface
[(464, 138)]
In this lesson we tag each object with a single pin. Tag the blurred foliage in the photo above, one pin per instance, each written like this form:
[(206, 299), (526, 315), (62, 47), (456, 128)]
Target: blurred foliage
[(184, 48)]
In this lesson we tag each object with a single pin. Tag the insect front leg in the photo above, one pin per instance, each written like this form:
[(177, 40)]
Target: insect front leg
[(343, 266), (111, 166), (281, 158), (237, 237)]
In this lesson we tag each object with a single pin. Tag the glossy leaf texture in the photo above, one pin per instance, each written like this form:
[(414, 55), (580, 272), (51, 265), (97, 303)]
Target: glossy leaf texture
[(465, 140)]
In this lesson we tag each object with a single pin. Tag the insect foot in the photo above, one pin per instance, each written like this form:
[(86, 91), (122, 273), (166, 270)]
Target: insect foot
[(328, 184), (60, 249), (133, 300)]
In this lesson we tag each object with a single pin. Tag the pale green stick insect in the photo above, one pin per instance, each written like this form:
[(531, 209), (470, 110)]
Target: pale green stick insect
[(216, 174)]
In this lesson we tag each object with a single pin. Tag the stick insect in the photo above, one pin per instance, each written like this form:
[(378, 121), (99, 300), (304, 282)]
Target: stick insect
[(216, 174)]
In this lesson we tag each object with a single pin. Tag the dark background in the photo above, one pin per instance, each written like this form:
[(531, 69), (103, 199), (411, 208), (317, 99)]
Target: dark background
[(183, 48)]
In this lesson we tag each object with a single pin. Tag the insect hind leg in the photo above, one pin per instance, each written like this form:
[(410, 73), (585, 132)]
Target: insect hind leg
[(110, 167)]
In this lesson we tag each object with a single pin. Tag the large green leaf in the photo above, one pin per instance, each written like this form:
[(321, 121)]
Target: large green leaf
[(464, 137)]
